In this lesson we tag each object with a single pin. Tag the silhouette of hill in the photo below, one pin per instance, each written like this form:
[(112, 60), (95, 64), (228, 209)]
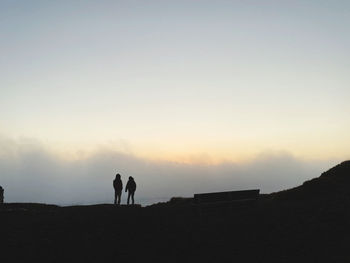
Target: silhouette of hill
[(309, 223), (26, 207), (332, 184)]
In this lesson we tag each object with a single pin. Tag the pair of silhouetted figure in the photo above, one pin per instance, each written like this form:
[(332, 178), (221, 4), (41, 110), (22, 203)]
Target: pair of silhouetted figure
[(118, 187), (1, 195)]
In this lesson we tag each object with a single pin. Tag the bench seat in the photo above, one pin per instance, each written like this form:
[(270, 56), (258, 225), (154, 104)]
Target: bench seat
[(228, 198)]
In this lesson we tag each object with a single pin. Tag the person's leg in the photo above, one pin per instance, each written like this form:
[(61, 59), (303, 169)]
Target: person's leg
[(119, 197), (128, 197), (132, 197), (115, 197)]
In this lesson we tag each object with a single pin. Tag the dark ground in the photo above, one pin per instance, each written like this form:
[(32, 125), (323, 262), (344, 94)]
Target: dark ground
[(310, 223)]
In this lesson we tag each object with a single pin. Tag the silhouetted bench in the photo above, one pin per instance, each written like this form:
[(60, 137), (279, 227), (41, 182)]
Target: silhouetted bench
[(224, 199)]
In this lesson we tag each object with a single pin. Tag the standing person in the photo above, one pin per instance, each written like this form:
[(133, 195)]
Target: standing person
[(131, 187), (118, 187), (1, 195)]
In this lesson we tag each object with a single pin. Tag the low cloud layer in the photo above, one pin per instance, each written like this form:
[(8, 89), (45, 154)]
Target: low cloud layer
[(31, 173)]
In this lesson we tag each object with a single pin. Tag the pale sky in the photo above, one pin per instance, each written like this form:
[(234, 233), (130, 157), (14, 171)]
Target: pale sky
[(184, 81)]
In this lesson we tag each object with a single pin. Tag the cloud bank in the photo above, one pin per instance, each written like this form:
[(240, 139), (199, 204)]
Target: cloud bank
[(31, 173)]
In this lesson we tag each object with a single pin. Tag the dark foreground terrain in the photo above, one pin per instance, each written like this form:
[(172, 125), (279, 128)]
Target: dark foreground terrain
[(310, 223)]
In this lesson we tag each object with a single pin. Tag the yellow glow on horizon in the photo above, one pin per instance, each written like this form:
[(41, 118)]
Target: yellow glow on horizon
[(202, 153)]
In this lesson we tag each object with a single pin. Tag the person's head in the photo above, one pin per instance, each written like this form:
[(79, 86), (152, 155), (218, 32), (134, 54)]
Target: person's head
[(117, 176), (130, 178)]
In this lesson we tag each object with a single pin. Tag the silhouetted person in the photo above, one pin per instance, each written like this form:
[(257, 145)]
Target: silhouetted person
[(118, 187), (1, 195), (131, 187)]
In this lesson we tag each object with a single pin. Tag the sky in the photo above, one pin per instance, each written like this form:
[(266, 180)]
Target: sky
[(182, 87)]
